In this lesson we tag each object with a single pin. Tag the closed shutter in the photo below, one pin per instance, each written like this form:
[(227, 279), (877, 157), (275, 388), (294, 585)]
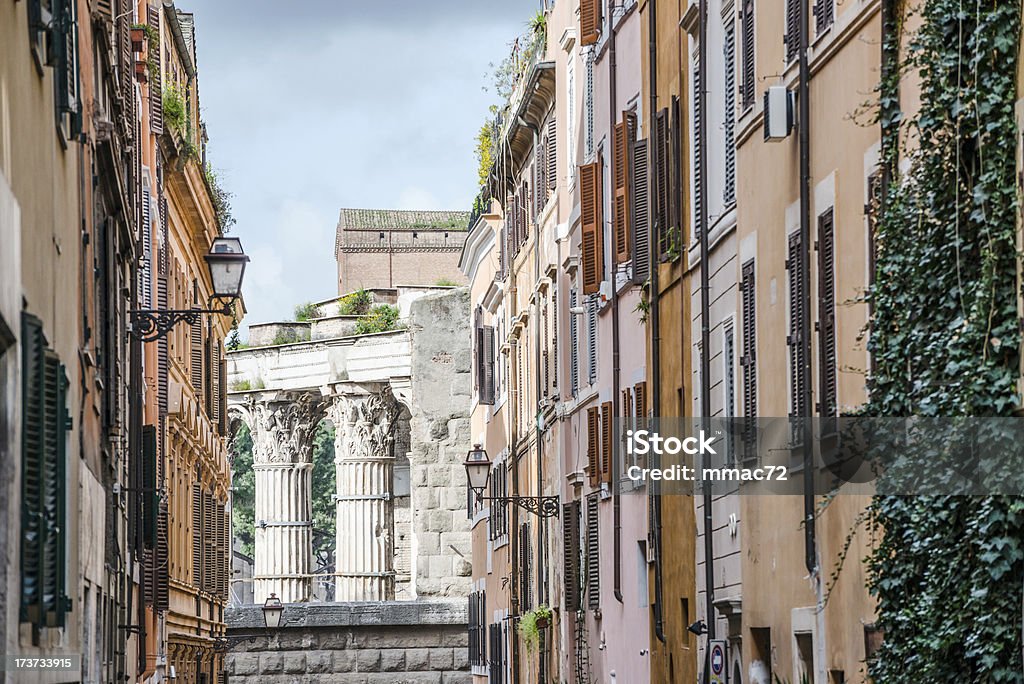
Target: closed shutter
[(640, 392), (593, 445), (729, 48), (574, 344), (607, 430), (621, 181), (222, 399), (156, 88), (797, 358), (661, 181), (215, 383), (590, 21), (210, 544), (551, 154), (503, 247), (162, 599), (525, 568), (824, 15), (593, 554), (64, 46), (675, 173), (524, 209), (553, 332), (591, 339), (827, 315), (792, 38), (626, 410), (748, 360), (571, 554), (223, 548), (639, 194), (150, 496), (591, 218), (196, 348), (545, 353), (540, 183), (197, 535), (589, 105), (698, 152), (749, 82), (146, 267), (487, 376)]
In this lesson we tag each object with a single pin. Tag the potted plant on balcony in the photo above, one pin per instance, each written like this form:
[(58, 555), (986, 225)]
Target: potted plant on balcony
[(531, 623), (138, 37)]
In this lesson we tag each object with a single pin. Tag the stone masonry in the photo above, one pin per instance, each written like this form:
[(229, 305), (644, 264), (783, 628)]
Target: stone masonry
[(406, 642)]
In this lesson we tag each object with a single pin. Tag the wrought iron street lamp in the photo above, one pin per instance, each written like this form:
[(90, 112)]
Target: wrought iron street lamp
[(478, 472), (226, 263), (272, 611)]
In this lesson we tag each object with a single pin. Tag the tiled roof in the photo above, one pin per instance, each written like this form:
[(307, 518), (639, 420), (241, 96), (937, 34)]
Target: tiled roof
[(188, 31), (397, 219)]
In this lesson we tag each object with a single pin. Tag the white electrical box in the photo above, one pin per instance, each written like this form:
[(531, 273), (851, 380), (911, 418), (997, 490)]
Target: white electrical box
[(778, 113)]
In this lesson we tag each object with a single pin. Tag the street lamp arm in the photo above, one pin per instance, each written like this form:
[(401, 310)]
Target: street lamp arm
[(541, 506), (152, 324)]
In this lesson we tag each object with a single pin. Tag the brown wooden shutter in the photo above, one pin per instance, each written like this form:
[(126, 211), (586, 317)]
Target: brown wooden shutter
[(571, 554), (640, 392), (607, 430), (827, 315), (540, 166), (593, 553), (661, 179), (162, 600), (215, 382), (593, 445), (640, 196), (223, 398), (749, 83), (590, 21), (592, 238), (626, 410), (197, 534), (621, 175), (797, 359), (196, 347)]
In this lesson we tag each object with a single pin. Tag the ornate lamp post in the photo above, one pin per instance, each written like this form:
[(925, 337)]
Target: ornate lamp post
[(478, 472), (272, 610), (226, 262)]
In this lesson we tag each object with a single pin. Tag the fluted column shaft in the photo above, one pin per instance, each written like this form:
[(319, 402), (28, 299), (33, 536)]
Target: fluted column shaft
[(364, 436)]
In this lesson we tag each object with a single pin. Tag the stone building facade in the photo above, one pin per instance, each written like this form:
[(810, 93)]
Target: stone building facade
[(383, 248)]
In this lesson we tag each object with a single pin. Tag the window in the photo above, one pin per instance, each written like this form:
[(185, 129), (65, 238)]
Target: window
[(590, 21), (607, 431), (748, 75), (593, 581), (592, 220), (497, 524), (591, 339), (45, 423), (642, 590), (640, 195), (792, 38), (525, 568), (484, 360), (659, 208), (622, 173), (761, 653), (805, 656), (797, 355), (829, 370), (574, 344), (570, 128), (589, 105), (496, 634), (824, 15), (748, 316), (729, 125), (594, 445), (477, 621), (729, 386), (571, 551)]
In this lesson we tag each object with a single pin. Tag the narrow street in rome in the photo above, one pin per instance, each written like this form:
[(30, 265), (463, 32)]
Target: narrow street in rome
[(518, 342)]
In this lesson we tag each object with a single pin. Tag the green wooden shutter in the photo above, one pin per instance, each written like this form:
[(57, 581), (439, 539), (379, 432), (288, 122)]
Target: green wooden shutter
[(827, 315), (797, 356), (571, 554), (33, 417)]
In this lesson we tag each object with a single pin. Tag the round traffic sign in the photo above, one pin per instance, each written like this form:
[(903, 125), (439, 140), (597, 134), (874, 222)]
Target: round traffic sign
[(717, 659)]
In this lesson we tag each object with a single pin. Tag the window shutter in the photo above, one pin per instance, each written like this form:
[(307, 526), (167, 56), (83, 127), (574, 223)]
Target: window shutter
[(698, 152), (593, 554), (748, 361), (640, 403), (197, 534), (64, 35), (675, 174), (223, 398), (571, 554), (626, 410), (591, 339), (620, 177), (150, 497), (641, 223), (824, 15), (593, 445), (729, 47), (146, 267), (792, 38), (553, 333), (607, 430), (215, 382), (487, 378), (551, 154), (749, 84), (525, 568), (592, 239), (797, 360), (196, 346), (827, 314), (589, 105), (209, 545), (156, 88), (590, 21), (545, 351), (162, 599), (524, 212), (33, 429), (503, 246), (574, 344), (661, 178), (540, 183)]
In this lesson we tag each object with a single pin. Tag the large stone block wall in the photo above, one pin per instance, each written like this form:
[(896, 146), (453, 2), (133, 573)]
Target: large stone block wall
[(352, 643), (441, 433)]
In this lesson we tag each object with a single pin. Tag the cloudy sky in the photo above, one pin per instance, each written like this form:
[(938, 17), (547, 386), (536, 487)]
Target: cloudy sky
[(321, 104)]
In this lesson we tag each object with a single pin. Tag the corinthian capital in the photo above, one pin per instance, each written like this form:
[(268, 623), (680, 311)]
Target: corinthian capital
[(283, 426), (364, 425)]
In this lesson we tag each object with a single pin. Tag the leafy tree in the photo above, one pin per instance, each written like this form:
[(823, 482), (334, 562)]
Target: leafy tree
[(324, 510), (243, 483)]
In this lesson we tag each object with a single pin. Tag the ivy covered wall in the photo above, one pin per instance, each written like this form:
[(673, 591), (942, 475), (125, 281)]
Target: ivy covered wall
[(945, 339)]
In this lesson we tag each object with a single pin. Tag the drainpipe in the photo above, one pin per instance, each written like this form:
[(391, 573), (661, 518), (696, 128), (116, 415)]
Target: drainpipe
[(616, 497), (655, 316), (705, 330), (803, 102)]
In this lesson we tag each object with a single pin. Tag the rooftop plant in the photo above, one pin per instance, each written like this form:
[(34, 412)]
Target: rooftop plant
[(354, 303), (381, 318), (306, 311)]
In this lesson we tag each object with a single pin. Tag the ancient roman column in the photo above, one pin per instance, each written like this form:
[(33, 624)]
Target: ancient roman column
[(283, 425), (364, 437)]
